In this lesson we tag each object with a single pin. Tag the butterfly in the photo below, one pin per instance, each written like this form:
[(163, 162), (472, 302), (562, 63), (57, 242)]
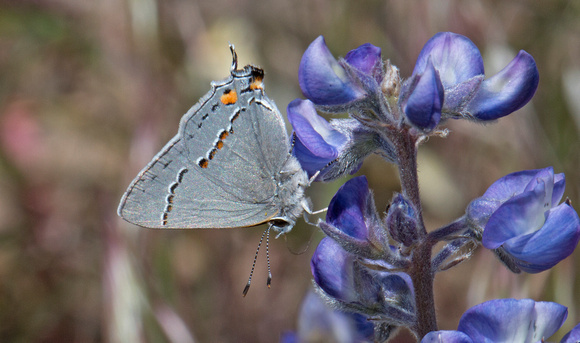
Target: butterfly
[(229, 166)]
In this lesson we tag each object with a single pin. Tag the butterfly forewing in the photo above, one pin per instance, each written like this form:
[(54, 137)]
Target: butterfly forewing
[(219, 171)]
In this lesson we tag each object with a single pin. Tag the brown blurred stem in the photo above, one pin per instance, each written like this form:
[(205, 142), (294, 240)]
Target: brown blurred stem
[(406, 146), (420, 271)]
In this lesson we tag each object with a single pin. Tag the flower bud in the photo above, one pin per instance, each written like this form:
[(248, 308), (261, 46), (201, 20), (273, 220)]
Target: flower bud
[(401, 221)]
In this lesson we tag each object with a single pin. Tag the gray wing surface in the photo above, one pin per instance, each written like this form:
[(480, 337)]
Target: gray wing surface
[(235, 188)]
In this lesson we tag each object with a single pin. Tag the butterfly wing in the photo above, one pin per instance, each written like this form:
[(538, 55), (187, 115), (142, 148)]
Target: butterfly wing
[(219, 171)]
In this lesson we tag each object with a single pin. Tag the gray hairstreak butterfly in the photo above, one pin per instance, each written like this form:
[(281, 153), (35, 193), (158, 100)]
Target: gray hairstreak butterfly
[(228, 166)]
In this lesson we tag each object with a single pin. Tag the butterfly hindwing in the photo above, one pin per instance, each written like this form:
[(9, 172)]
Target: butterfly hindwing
[(219, 171)]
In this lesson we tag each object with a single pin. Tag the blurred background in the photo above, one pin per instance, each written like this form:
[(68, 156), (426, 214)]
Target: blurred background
[(91, 90)]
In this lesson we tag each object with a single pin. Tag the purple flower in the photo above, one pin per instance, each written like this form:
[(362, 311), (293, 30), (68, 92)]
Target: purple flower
[(318, 321), (333, 149), (332, 269), (349, 209), (317, 143), (351, 286), (572, 336), (505, 320), (520, 214), (423, 98), (367, 60), (326, 81), (352, 220), (446, 336), (460, 68)]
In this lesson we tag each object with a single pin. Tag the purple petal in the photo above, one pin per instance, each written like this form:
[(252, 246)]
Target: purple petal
[(480, 209), (318, 143), (347, 208), (511, 320), (446, 337), (572, 336), (555, 241), (512, 184), (331, 268), (520, 215), (545, 179), (316, 319), (289, 337), (398, 287), (550, 317), (507, 187), (508, 90), (559, 186), (322, 79), (313, 130), (310, 162), (455, 57), (423, 107), (367, 59), (368, 285)]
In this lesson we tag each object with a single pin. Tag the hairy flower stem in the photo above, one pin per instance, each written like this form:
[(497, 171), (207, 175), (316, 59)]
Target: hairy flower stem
[(406, 145), (422, 277), (420, 270)]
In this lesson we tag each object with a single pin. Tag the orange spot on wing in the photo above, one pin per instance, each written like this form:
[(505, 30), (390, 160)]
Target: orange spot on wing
[(229, 97), (219, 144), (257, 84), (212, 154)]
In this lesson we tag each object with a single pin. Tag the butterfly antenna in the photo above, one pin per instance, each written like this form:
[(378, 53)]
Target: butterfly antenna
[(267, 235), (292, 142), (269, 281), (234, 66)]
